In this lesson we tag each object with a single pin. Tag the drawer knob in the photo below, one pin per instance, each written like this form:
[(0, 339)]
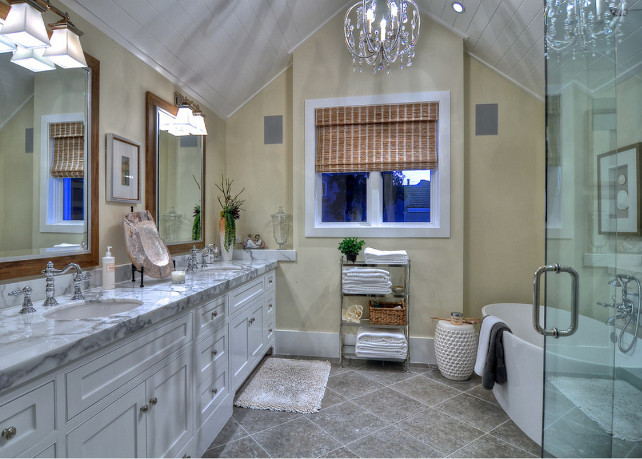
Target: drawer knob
[(9, 432), (144, 408), (153, 401), (214, 314), (214, 391), (270, 306), (214, 352), (270, 330)]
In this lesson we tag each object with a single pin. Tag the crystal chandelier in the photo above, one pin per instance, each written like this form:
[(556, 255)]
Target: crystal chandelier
[(380, 32), (582, 26)]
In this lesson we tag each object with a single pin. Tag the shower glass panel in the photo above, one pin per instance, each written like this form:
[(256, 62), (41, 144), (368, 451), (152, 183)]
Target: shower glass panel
[(593, 378)]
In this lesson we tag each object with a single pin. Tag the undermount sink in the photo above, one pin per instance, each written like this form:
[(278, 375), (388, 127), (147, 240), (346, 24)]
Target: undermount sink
[(93, 309), (222, 268)]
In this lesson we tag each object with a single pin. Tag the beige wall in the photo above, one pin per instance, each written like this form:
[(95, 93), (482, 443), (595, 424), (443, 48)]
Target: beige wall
[(504, 198)]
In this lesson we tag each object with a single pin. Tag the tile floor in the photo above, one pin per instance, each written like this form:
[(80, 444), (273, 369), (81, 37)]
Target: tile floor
[(376, 410)]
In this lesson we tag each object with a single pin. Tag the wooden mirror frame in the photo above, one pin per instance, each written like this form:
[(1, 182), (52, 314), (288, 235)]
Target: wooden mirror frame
[(33, 266), (152, 103)]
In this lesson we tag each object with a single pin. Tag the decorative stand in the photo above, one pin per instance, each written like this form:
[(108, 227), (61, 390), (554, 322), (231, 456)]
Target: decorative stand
[(455, 349), (141, 271)]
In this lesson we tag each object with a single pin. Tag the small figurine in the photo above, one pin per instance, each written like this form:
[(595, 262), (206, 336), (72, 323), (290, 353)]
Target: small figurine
[(247, 240), (253, 243), (259, 243)]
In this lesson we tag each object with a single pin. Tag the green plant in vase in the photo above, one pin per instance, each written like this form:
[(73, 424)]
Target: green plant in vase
[(230, 212), (350, 247)]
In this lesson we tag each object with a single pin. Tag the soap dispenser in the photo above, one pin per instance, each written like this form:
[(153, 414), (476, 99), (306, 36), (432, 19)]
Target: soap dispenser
[(109, 270)]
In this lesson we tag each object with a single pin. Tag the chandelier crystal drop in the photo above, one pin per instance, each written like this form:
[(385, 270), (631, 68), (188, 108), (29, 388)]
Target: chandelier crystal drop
[(583, 26), (380, 32)]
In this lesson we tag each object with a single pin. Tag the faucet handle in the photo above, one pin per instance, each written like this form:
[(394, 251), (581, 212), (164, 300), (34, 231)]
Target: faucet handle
[(27, 305)]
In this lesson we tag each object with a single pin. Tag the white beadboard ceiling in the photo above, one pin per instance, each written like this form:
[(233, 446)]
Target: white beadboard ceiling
[(222, 52)]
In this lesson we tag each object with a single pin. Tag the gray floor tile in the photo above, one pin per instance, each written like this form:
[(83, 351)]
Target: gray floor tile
[(352, 384), (565, 438), (257, 420), (341, 452), (347, 421), (391, 442), (336, 369), (471, 410), (489, 446), (440, 431), (245, 447), (231, 431), (331, 398), (298, 438), (510, 433), (387, 376), (484, 394), (425, 390), (636, 451), (389, 403), (434, 373)]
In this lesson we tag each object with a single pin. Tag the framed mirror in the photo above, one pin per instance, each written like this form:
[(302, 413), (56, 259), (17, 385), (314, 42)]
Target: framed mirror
[(174, 179), (48, 213)]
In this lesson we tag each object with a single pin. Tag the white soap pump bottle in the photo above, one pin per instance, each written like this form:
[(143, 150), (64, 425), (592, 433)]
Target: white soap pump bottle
[(109, 270)]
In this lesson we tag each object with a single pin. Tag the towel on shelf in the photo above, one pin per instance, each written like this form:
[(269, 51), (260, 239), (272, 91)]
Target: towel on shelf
[(365, 290), (366, 280), (380, 335), (385, 256), (378, 343), (495, 369), (484, 339), (401, 355)]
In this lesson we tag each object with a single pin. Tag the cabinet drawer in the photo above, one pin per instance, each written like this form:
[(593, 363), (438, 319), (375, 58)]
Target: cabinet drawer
[(268, 333), (212, 392), (27, 419), (243, 295), (270, 302), (211, 353), (209, 316), (270, 280), (89, 383)]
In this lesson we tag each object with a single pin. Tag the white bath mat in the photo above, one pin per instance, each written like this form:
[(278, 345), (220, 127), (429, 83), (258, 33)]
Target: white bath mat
[(588, 394), (286, 385)]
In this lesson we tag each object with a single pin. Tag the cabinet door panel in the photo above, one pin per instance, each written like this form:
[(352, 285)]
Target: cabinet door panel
[(116, 431), (255, 331), (169, 419), (238, 350), (243, 295)]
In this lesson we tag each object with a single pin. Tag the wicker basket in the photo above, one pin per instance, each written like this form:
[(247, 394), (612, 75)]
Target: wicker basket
[(388, 313)]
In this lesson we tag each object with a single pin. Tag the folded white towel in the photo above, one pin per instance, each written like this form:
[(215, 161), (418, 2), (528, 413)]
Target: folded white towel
[(370, 333), (366, 290), (379, 253), (482, 346), (401, 355), (380, 283), (364, 271), (385, 256)]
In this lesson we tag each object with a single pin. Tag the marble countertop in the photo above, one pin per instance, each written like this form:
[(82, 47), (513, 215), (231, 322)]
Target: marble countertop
[(31, 344)]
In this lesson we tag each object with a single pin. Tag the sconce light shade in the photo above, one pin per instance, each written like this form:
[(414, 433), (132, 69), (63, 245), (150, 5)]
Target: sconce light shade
[(25, 27), (65, 49), (165, 120), (199, 124), (32, 59), (183, 123), (6, 45)]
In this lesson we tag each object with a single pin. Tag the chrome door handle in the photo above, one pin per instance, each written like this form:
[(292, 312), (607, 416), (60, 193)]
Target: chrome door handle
[(556, 268), (9, 433)]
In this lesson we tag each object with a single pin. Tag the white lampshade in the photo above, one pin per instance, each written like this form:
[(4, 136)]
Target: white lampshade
[(183, 124), (32, 59), (199, 123), (25, 27), (6, 45), (165, 120), (65, 49)]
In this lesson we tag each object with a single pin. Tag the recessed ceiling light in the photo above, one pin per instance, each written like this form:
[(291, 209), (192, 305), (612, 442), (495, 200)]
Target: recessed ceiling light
[(458, 7)]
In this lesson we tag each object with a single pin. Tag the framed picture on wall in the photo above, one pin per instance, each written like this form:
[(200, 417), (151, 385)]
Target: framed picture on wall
[(123, 170), (618, 178)]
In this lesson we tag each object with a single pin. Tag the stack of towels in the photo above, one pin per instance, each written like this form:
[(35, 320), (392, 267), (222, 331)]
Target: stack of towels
[(366, 280), (379, 343), (382, 256)]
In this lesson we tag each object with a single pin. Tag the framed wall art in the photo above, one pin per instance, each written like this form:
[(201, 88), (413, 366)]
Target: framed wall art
[(123, 170), (618, 179)]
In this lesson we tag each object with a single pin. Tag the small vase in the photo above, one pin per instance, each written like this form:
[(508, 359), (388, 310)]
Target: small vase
[(226, 255), (351, 257)]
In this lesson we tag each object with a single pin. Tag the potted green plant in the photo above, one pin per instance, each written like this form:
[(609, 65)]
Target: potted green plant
[(350, 247), (231, 208)]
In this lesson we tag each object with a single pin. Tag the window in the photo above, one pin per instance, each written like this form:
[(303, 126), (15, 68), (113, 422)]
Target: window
[(62, 173), (355, 189)]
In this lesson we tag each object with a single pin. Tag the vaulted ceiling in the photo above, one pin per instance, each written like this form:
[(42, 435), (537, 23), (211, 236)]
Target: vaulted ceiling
[(225, 51)]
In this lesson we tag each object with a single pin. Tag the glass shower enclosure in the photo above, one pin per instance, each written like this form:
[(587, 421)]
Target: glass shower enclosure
[(591, 282)]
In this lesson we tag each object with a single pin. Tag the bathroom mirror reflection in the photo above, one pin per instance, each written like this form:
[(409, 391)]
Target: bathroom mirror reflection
[(174, 178), (48, 139)]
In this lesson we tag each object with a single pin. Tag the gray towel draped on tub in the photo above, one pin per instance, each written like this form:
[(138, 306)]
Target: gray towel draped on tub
[(495, 368)]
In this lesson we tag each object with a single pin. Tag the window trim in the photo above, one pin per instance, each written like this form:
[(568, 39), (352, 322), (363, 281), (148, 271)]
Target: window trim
[(51, 189), (439, 227)]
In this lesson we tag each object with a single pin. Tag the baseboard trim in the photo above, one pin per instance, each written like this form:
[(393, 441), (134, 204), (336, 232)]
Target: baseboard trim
[(326, 345)]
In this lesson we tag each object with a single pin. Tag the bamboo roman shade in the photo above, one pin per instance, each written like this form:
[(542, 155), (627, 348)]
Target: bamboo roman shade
[(68, 149), (377, 137)]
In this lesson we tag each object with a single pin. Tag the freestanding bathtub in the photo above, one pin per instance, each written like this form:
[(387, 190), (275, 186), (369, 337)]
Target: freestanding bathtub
[(588, 352)]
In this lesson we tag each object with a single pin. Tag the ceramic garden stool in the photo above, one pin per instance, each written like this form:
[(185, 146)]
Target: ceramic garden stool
[(455, 349)]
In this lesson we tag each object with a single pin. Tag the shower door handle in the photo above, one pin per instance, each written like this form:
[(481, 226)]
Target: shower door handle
[(575, 311)]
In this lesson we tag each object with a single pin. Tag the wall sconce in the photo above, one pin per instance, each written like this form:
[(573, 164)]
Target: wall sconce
[(25, 27), (189, 119)]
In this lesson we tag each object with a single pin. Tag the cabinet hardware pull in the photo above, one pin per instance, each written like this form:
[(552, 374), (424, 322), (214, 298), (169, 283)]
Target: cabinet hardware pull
[(153, 401), (9, 432), (144, 408), (214, 391), (214, 314), (270, 306), (270, 330), (214, 352)]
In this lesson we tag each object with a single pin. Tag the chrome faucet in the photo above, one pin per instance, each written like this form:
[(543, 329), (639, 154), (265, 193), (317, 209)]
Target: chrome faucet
[(192, 262), (27, 305), (627, 309), (50, 290)]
